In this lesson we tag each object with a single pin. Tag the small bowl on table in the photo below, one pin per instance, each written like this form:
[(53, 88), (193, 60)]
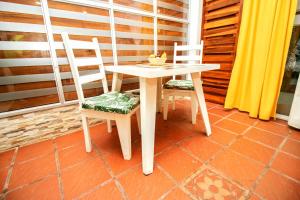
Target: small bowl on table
[(157, 61)]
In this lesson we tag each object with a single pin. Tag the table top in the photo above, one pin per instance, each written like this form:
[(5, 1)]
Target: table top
[(147, 71)]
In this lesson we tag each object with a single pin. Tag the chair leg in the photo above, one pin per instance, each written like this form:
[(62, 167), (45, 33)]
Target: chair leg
[(124, 131), (138, 118), (166, 103), (87, 138), (194, 107), (173, 103), (109, 128), (197, 107)]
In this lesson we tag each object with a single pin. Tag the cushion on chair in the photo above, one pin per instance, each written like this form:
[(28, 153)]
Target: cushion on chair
[(112, 102), (179, 84)]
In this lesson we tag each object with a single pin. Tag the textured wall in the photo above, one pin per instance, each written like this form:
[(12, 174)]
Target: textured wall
[(37, 126)]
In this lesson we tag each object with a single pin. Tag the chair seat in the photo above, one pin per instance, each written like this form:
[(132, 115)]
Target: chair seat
[(114, 102), (179, 84)]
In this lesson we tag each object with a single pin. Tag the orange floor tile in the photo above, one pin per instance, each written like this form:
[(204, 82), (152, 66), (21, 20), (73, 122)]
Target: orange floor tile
[(244, 158)]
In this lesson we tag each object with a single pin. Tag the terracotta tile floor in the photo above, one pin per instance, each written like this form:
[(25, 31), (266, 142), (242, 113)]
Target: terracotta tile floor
[(244, 158)]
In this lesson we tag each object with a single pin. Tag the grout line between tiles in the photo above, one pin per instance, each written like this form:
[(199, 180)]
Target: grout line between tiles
[(9, 173), (84, 194), (268, 166), (58, 169), (223, 148), (177, 184), (111, 173)]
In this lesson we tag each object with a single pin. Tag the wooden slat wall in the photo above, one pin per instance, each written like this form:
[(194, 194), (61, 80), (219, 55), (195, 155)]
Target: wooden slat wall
[(221, 23), (26, 76)]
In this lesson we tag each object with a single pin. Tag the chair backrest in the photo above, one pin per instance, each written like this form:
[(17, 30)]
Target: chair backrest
[(196, 56), (76, 63)]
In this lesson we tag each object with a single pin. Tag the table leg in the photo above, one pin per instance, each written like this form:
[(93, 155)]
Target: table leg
[(148, 92), (117, 82), (158, 97), (200, 96)]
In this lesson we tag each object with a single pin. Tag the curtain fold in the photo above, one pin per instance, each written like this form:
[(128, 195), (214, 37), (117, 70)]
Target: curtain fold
[(263, 44)]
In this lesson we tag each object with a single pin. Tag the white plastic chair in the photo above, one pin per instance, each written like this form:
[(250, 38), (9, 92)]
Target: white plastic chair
[(123, 121), (175, 87)]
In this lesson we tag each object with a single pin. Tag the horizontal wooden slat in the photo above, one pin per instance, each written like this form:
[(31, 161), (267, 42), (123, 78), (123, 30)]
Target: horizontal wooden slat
[(219, 49), (188, 47), (219, 74), (221, 22), (188, 58), (219, 41), (87, 61), (216, 91), (222, 33), (90, 78), (223, 12), (220, 4), (218, 58), (75, 44), (214, 98)]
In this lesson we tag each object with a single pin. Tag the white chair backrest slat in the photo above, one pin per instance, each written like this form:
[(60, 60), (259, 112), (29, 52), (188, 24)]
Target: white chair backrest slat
[(196, 55), (189, 47), (89, 78), (75, 44), (81, 62), (188, 58), (75, 63)]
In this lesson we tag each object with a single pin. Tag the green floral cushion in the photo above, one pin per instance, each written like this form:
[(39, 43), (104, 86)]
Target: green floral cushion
[(179, 84), (112, 102)]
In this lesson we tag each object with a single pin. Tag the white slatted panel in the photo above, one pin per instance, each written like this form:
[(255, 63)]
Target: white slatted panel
[(134, 39), (90, 78), (80, 62), (188, 58)]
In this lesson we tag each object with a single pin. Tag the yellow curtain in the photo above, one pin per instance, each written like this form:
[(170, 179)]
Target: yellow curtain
[(263, 44)]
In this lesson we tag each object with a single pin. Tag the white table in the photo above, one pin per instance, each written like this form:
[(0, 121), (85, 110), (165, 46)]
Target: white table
[(150, 84)]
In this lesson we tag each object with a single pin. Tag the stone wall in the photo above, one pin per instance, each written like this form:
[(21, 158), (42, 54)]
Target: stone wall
[(38, 126)]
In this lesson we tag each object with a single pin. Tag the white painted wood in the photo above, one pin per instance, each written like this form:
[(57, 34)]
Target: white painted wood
[(147, 71), (148, 91), (159, 93), (148, 86), (90, 78), (188, 58), (189, 47), (124, 132), (194, 108), (170, 92), (174, 57), (109, 126), (173, 103), (191, 58), (86, 132), (138, 118), (52, 51), (80, 62), (74, 69), (122, 120), (201, 100), (106, 115), (166, 106), (117, 81), (75, 44), (103, 78)]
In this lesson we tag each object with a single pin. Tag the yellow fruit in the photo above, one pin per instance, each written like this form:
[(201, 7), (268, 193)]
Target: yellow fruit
[(152, 56), (164, 55)]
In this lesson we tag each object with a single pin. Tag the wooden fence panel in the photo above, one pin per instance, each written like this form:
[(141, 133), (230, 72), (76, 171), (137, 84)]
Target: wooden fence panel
[(221, 23)]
